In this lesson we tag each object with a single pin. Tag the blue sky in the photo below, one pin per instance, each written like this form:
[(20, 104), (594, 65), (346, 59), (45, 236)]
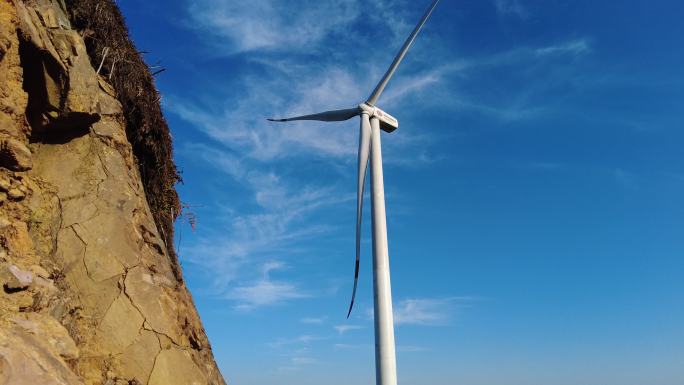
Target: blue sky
[(534, 189)]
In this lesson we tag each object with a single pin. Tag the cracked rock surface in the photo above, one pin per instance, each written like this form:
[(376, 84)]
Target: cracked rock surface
[(89, 295)]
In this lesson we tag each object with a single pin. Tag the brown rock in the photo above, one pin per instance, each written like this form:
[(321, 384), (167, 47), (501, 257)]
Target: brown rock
[(28, 358), (66, 90), (176, 366), (44, 284), (4, 184), (14, 155), (110, 251), (5, 45), (52, 14), (120, 326), (16, 194), (33, 29), (107, 128), (4, 222), (74, 170), (8, 126), (43, 67), (48, 329), (98, 296), (154, 301), (83, 90), (107, 105), (17, 240), (39, 271), (138, 359), (13, 99)]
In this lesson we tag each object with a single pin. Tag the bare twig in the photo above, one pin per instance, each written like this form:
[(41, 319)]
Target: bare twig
[(105, 51), (113, 68), (187, 215)]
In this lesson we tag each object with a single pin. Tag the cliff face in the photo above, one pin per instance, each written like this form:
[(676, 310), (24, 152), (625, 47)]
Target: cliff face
[(90, 292)]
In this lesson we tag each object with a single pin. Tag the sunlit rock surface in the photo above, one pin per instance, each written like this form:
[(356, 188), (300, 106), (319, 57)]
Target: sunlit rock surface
[(89, 292)]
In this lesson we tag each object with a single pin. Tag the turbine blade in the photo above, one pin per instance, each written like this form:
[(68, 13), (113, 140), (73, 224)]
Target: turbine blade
[(400, 56), (364, 151), (328, 116)]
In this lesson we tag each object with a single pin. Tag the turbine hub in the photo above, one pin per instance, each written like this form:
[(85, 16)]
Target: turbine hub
[(388, 123)]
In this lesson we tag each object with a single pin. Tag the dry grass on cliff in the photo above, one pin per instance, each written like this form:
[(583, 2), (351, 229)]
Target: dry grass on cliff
[(104, 30)]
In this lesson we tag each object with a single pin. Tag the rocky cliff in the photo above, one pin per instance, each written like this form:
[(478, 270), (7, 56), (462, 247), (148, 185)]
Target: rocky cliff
[(91, 294)]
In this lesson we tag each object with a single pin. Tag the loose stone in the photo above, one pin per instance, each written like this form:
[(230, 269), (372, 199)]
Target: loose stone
[(16, 194), (15, 279), (14, 155)]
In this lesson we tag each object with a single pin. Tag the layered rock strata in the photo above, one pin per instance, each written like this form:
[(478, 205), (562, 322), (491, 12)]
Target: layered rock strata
[(89, 294)]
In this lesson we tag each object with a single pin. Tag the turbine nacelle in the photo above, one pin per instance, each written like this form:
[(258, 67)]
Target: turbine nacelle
[(388, 123)]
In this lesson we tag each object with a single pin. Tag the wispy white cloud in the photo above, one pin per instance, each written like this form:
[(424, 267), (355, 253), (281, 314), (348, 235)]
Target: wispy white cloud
[(428, 311), (292, 83), (272, 24), (240, 261), (265, 291), (313, 320), (303, 360), (244, 126), (304, 339), (341, 329), (413, 84), (290, 89), (277, 25), (421, 312), (394, 15), (297, 363), (297, 351), (431, 83), (231, 259), (511, 7), (574, 47)]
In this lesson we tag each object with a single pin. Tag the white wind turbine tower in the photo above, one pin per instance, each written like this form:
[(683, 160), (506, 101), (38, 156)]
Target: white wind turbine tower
[(373, 119)]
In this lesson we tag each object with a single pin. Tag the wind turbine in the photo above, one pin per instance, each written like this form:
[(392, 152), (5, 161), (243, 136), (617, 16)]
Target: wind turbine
[(373, 119)]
